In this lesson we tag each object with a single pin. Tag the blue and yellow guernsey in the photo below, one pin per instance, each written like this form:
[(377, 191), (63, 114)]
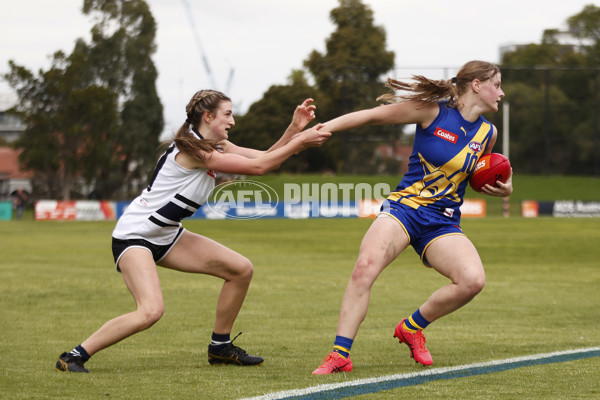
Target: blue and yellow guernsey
[(444, 156)]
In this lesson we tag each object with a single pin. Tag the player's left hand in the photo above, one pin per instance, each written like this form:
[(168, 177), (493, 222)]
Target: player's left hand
[(303, 114), (500, 189)]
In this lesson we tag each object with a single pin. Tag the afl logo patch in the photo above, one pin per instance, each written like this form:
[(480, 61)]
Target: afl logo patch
[(475, 146), (444, 134)]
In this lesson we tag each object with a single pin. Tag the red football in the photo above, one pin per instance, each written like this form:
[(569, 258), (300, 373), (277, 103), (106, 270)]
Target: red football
[(490, 168)]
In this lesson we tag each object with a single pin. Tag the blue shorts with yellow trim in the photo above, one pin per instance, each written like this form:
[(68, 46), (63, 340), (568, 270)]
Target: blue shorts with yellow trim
[(422, 226)]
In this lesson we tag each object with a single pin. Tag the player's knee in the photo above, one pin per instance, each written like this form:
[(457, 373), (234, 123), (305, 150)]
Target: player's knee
[(150, 315), (365, 271), (473, 285), (245, 269)]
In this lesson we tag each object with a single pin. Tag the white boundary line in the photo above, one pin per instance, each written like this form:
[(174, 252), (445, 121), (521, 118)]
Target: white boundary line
[(520, 361)]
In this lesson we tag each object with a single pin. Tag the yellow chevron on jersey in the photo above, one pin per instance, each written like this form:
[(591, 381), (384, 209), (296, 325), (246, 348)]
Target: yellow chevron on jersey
[(444, 156)]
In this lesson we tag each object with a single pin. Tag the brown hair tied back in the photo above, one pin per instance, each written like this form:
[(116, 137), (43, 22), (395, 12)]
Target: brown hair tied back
[(201, 102), (433, 91)]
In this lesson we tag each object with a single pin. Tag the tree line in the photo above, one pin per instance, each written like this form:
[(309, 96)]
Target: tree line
[(554, 94), (94, 117)]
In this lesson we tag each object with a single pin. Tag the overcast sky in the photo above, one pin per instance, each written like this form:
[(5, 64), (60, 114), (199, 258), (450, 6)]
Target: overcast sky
[(253, 44)]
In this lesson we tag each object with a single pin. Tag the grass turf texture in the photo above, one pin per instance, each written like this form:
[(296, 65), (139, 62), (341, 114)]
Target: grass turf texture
[(58, 285)]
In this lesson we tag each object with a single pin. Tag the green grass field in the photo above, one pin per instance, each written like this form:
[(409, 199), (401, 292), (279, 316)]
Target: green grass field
[(59, 285)]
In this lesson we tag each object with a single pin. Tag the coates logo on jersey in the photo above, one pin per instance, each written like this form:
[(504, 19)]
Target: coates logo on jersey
[(444, 134), (475, 146)]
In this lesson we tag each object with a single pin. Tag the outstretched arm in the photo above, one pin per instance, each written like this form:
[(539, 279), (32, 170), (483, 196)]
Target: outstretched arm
[(410, 112), (236, 163), (303, 114)]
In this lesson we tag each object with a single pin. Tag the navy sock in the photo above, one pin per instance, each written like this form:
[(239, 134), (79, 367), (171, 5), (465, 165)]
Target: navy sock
[(80, 351), (343, 345), (217, 341), (416, 322)]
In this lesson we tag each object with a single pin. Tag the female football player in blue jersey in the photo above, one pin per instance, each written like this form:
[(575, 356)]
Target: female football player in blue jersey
[(423, 211), (150, 232)]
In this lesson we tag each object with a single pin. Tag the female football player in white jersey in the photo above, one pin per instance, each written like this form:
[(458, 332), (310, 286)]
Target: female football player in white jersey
[(424, 210), (150, 233)]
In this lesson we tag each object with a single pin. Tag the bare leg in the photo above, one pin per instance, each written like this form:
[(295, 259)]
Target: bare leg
[(141, 278), (382, 243), (198, 254), (456, 258)]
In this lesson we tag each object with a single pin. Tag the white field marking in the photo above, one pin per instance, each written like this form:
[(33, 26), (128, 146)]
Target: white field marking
[(435, 373)]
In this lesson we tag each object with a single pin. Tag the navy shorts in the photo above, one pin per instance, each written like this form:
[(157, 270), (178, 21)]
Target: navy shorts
[(119, 246), (422, 226)]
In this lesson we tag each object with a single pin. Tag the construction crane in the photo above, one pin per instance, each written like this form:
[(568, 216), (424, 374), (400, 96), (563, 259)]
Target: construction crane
[(202, 54)]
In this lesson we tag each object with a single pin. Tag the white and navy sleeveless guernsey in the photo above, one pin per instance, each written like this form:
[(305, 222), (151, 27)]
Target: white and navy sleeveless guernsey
[(173, 194)]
